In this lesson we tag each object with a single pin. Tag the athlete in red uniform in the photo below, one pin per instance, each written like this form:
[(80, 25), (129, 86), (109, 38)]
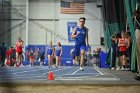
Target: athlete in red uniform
[(19, 46), (123, 44)]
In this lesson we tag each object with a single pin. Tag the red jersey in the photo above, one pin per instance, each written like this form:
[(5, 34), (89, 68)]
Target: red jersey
[(19, 47), (123, 44), (10, 51), (7, 53)]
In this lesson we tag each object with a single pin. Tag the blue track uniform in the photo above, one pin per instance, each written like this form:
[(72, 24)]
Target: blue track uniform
[(80, 40), (49, 50), (57, 51)]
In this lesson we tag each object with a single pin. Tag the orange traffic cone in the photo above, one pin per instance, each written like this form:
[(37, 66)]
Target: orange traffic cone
[(50, 76)]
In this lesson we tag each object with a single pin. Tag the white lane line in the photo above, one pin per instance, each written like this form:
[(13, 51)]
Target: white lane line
[(106, 73), (87, 79), (87, 74), (63, 75), (98, 71), (75, 71), (67, 79)]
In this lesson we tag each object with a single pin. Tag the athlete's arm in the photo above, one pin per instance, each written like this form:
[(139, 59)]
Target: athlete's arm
[(74, 33), (87, 38), (21, 42), (120, 43), (61, 51)]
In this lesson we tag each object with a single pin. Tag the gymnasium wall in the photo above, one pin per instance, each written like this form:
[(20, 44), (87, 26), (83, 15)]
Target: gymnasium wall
[(46, 13)]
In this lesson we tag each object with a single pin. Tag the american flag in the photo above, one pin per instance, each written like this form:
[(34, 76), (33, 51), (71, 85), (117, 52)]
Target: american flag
[(72, 7)]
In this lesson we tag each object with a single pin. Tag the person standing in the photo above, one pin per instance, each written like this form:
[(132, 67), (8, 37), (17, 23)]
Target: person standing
[(31, 56), (3, 50), (123, 45), (89, 57), (80, 34), (50, 51), (19, 46), (42, 57), (58, 54), (137, 37), (37, 55)]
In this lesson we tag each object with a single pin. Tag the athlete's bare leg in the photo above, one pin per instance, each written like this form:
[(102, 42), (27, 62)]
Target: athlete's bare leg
[(77, 59), (17, 58), (82, 59), (123, 61), (57, 60), (49, 60), (21, 59), (59, 65)]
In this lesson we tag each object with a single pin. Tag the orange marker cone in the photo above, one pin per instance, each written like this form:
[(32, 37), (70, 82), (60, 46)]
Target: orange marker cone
[(50, 76)]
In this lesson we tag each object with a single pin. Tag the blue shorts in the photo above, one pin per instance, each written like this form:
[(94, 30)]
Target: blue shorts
[(50, 53), (57, 53), (78, 49)]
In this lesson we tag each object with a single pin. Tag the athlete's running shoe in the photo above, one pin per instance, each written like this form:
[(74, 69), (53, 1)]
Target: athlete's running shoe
[(81, 68)]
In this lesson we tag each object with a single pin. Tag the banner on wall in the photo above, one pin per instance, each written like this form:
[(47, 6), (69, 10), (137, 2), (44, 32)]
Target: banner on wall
[(71, 26)]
